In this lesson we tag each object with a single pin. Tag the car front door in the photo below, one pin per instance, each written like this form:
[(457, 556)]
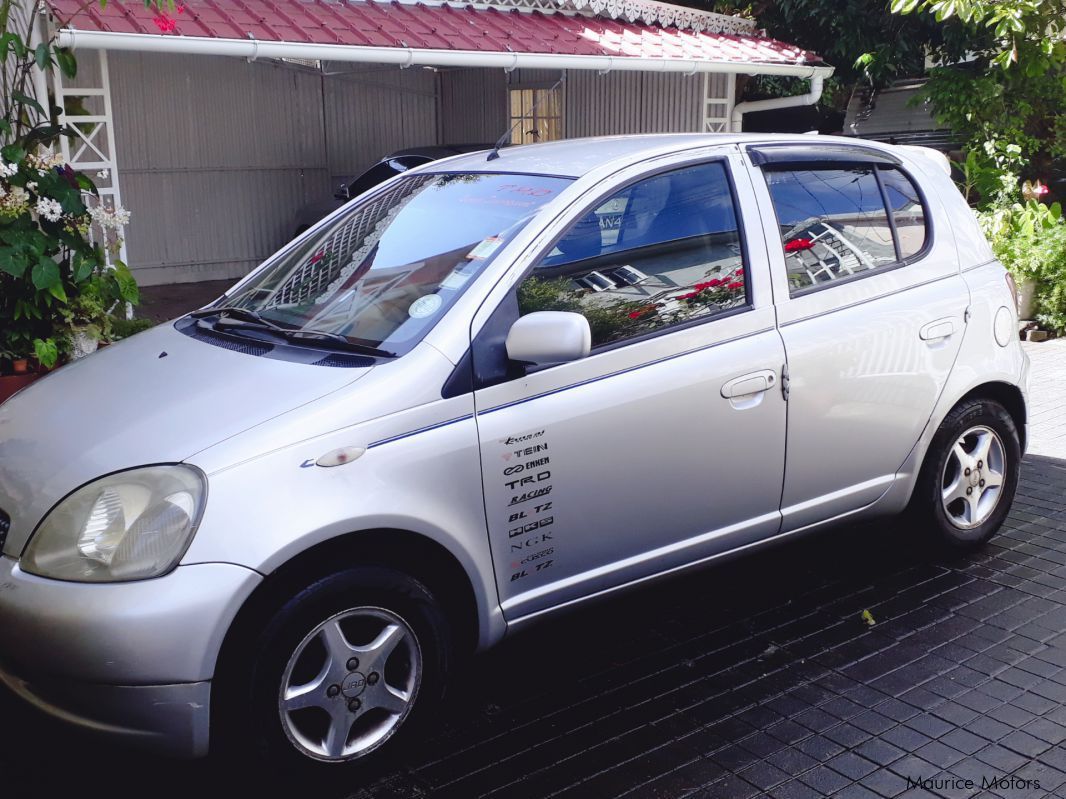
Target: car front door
[(871, 309), (666, 444)]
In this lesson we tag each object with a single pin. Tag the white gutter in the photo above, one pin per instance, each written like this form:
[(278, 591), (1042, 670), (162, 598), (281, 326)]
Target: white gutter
[(810, 98), (407, 56)]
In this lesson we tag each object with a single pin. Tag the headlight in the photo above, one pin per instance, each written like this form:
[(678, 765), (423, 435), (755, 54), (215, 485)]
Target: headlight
[(127, 526)]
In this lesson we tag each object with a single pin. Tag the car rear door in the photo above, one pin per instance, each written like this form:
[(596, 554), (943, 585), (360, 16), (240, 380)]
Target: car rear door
[(666, 444), (871, 309)]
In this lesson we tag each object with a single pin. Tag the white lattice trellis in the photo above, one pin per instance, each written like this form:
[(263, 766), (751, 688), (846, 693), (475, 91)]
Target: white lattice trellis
[(718, 104), (92, 149)]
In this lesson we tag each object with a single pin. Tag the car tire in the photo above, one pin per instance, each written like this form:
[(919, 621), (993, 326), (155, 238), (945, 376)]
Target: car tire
[(269, 716), (970, 474)]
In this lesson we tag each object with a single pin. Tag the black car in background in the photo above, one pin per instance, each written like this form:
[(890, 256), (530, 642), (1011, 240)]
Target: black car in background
[(387, 167)]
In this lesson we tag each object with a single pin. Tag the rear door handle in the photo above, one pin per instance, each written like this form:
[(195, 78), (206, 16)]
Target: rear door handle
[(941, 328), (754, 383)]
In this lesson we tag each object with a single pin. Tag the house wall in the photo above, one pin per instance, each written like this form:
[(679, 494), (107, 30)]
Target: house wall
[(216, 155)]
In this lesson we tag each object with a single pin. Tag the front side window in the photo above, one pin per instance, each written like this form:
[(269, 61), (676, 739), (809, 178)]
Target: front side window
[(663, 251), (384, 272), (834, 222)]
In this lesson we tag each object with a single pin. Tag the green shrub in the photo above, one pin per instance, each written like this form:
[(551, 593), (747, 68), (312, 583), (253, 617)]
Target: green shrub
[(1030, 240)]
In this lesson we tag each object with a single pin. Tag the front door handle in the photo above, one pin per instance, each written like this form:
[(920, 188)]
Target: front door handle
[(746, 385), (941, 328)]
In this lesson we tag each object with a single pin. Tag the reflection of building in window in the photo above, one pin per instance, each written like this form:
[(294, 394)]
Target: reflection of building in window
[(536, 115)]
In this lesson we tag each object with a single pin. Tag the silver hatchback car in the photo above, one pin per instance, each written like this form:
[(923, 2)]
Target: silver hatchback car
[(483, 392)]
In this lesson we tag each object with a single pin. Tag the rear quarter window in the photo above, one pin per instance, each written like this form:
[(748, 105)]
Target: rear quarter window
[(844, 222)]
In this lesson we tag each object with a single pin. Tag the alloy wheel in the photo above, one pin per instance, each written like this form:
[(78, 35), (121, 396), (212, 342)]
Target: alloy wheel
[(973, 477), (350, 684)]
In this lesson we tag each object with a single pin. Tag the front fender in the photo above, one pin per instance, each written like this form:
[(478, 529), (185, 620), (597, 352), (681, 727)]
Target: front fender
[(263, 512)]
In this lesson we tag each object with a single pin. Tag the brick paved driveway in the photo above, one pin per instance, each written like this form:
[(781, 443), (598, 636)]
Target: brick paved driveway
[(757, 677)]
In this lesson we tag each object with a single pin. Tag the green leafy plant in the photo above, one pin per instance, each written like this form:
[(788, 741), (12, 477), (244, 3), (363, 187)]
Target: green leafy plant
[(1030, 240), (55, 231)]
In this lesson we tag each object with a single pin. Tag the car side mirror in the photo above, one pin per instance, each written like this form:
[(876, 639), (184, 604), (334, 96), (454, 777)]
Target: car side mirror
[(547, 337), (342, 192)]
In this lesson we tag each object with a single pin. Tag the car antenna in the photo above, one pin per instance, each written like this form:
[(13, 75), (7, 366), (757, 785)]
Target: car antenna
[(495, 153)]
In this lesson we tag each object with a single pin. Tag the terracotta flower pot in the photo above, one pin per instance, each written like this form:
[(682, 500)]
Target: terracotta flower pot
[(20, 366), (12, 383)]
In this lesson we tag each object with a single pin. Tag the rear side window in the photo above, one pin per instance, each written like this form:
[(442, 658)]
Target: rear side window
[(664, 251), (835, 222)]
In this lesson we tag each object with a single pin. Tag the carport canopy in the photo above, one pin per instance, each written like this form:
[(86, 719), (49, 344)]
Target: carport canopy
[(601, 35)]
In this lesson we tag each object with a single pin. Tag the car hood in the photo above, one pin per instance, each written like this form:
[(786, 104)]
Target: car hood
[(158, 397)]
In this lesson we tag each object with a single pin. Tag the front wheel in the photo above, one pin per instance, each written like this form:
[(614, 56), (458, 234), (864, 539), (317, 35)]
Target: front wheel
[(970, 474), (342, 672)]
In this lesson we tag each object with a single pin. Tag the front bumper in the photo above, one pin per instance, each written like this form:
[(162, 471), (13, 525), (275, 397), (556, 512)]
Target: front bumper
[(132, 659), (174, 720)]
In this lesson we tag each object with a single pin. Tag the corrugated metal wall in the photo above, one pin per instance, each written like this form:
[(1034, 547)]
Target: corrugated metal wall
[(216, 155), (372, 112), (631, 102), (473, 105)]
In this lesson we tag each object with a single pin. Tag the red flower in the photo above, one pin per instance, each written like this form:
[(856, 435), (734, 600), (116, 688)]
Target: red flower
[(1040, 189), (798, 244), (318, 256), (717, 282), (165, 23), (735, 286), (636, 314), (688, 296)]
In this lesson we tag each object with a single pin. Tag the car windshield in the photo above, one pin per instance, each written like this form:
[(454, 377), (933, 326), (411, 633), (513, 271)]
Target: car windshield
[(384, 271)]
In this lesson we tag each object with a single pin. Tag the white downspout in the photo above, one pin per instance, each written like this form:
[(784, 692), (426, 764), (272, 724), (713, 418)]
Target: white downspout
[(810, 98)]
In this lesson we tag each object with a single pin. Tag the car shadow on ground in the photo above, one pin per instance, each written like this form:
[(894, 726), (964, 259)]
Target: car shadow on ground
[(586, 700)]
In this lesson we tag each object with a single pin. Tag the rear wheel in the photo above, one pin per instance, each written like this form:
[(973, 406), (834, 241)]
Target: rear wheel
[(340, 675), (970, 474)]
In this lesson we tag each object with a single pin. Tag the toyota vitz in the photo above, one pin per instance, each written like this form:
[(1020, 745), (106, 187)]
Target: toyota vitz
[(489, 389)]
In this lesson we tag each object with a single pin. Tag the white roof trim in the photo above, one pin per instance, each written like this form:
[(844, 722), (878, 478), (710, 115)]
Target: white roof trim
[(649, 12), (409, 56)]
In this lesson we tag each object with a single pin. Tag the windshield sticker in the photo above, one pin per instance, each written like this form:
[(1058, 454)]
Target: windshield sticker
[(486, 248), (459, 276), (424, 306)]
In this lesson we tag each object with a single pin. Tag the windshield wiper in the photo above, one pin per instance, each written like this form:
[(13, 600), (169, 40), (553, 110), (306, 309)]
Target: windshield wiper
[(336, 338), (235, 312), (254, 320)]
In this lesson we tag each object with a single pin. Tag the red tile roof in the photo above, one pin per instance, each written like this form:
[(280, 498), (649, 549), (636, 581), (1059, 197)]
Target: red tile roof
[(409, 25)]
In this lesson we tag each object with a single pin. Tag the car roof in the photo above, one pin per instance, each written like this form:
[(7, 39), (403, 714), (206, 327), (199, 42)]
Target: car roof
[(576, 157)]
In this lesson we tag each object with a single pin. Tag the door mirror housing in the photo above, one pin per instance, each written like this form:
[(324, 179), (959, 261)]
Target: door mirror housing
[(342, 192), (547, 337)]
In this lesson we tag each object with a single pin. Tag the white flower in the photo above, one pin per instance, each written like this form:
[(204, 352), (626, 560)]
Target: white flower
[(104, 218), (31, 185), (103, 174), (49, 209), (8, 170)]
